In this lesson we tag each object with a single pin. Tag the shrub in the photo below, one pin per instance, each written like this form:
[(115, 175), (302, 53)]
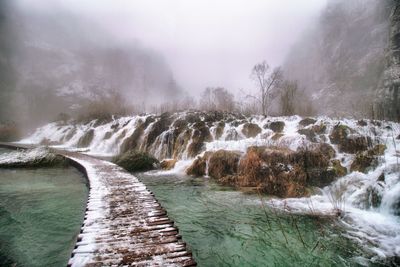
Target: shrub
[(9, 132), (223, 163), (134, 161)]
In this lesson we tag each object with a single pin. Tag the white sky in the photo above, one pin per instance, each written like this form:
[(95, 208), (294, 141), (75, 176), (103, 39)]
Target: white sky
[(206, 42)]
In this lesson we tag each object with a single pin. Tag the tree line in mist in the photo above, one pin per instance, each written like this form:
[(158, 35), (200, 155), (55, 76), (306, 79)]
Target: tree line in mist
[(272, 95), (346, 65)]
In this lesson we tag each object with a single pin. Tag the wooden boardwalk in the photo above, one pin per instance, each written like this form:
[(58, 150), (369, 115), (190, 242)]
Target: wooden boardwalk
[(124, 225)]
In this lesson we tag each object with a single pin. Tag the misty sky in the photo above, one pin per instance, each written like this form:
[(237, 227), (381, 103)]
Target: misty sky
[(206, 42)]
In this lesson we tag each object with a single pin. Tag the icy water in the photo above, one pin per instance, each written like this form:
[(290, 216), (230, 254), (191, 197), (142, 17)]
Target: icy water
[(228, 228), (41, 211)]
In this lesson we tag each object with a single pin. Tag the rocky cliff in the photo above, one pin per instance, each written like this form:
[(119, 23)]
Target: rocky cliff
[(347, 62), (388, 105)]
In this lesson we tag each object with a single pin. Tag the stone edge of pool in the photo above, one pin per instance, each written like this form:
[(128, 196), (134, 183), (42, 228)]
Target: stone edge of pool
[(123, 224)]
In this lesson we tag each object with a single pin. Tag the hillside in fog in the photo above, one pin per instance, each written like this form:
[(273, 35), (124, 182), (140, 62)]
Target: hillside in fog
[(347, 61), (268, 131), (54, 61)]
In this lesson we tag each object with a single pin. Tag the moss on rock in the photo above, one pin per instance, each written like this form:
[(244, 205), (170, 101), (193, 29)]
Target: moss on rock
[(199, 165), (251, 130), (200, 134), (339, 134), (9, 132), (363, 162), (107, 135), (168, 164), (307, 121), (276, 126), (70, 134), (35, 158), (377, 150), (86, 139), (223, 163), (219, 130), (338, 168), (132, 141), (276, 136), (134, 161), (232, 135), (319, 129), (348, 141), (309, 133)]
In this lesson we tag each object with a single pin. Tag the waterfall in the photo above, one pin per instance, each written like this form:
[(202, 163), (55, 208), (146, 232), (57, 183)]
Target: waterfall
[(370, 200)]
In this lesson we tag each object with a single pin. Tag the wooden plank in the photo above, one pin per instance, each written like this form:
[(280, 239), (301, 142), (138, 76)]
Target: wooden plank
[(124, 224)]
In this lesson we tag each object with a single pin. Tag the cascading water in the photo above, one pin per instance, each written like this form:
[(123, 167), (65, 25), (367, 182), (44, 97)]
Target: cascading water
[(369, 202)]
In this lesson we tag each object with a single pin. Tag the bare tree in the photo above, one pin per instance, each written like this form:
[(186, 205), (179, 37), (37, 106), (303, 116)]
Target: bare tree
[(287, 97), (217, 98), (266, 81), (207, 102)]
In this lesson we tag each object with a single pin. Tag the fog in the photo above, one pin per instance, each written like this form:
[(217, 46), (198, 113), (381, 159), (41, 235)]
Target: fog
[(206, 43), (94, 58)]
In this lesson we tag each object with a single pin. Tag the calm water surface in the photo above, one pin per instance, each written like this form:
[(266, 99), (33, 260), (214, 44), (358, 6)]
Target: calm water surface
[(41, 211), (228, 228)]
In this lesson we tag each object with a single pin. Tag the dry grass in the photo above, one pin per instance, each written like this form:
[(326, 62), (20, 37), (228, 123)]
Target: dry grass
[(9, 132)]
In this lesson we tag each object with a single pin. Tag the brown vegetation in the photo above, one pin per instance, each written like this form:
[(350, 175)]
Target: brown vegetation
[(223, 163), (199, 165), (348, 140), (9, 132), (168, 164), (367, 160), (272, 170), (103, 105)]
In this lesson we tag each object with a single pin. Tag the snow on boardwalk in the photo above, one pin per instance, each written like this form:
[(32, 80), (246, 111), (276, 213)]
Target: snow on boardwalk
[(124, 224)]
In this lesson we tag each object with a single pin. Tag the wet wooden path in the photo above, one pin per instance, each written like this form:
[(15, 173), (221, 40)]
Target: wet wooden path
[(124, 225)]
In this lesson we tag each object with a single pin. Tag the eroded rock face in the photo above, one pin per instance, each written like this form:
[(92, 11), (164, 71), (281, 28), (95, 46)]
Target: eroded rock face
[(348, 140), (48, 142), (338, 168), (271, 170), (69, 135), (223, 163), (309, 133), (251, 130), (168, 164), (132, 142), (219, 130), (276, 126), (367, 160), (134, 161), (200, 134), (158, 127), (232, 135), (339, 133), (363, 163), (307, 121), (327, 150), (314, 131), (86, 139), (199, 165)]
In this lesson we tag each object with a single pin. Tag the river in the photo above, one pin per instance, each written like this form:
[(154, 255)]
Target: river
[(41, 211), (225, 227)]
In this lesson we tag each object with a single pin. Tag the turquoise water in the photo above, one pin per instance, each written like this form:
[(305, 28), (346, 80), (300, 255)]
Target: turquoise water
[(41, 211), (224, 227)]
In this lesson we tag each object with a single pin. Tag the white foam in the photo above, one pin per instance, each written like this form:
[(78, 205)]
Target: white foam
[(376, 228)]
